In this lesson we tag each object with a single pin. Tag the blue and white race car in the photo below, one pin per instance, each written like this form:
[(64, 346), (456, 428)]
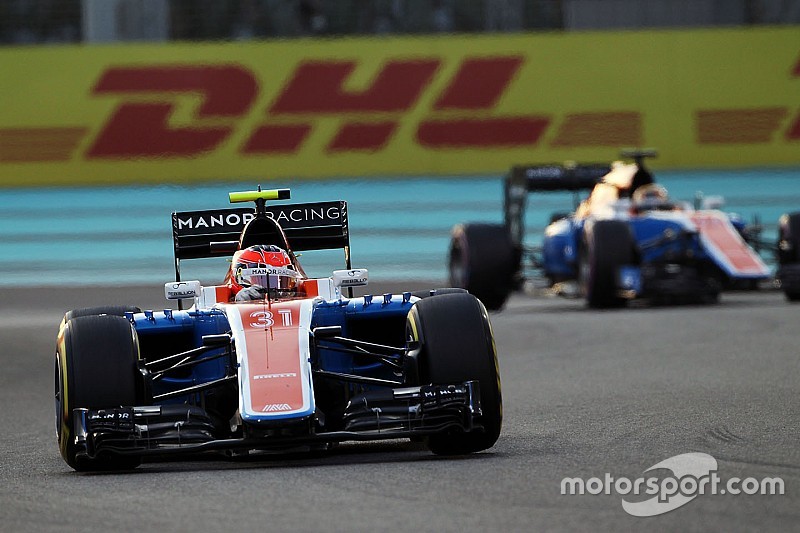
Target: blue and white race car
[(627, 240), (272, 359)]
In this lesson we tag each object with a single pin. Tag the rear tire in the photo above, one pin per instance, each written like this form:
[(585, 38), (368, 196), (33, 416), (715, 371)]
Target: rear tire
[(607, 245), (95, 368), (789, 249), (482, 260), (455, 345)]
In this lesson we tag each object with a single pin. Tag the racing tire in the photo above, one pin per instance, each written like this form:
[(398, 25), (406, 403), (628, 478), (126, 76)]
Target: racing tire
[(95, 368), (454, 342), (482, 260), (607, 245), (438, 292), (115, 310), (789, 248)]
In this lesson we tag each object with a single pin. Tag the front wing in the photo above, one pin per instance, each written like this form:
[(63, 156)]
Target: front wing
[(182, 429)]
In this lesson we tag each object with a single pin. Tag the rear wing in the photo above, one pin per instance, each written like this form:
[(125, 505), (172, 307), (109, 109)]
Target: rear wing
[(216, 233), (569, 177), (544, 178)]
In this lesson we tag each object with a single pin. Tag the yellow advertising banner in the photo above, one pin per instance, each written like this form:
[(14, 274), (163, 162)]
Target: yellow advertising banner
[(476, 104)]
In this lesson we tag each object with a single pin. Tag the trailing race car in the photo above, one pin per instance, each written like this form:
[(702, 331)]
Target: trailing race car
[(272, 359), (627, 240)]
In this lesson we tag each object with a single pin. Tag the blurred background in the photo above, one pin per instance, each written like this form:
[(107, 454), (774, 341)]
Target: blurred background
[(59, 21), (117, 112)]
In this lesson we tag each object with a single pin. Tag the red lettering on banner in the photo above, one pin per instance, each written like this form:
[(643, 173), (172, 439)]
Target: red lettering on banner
[(277, 139), (479, 83), (464, 115), (793, 132), (318, 88), (359, 136), (141, 129)]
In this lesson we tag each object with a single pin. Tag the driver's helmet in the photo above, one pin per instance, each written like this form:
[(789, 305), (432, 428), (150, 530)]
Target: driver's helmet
[(651, 196), (267, 269)]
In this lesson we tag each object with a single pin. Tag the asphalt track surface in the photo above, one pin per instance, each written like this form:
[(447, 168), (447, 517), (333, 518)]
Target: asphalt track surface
[(585, 393)]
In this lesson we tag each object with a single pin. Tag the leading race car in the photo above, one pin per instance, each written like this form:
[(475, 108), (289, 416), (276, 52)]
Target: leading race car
[(272, 359), (627, 240)]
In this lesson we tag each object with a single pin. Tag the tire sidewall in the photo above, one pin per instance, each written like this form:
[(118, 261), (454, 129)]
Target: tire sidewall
[(443, 357)]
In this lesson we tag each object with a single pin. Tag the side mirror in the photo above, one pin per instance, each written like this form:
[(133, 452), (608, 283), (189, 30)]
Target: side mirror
[(179, 290), (355, 277)]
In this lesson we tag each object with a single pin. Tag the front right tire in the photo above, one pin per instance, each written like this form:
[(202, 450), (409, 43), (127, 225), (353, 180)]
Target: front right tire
[(95, 368)]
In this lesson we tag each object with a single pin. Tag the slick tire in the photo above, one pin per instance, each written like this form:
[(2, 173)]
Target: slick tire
[(115, 310), (438, 292), (789, 248), (453, 336), (607, 245), (482, 261), (95, 368)]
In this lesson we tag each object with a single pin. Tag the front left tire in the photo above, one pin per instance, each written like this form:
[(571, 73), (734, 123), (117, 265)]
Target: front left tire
[(456, 344)]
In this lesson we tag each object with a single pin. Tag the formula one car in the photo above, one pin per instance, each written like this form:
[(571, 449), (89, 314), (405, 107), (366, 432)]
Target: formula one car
[(296, 363), (627, 240)]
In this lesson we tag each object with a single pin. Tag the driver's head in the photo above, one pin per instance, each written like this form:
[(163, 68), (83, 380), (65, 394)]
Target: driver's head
[(650, 194), (267, 268)]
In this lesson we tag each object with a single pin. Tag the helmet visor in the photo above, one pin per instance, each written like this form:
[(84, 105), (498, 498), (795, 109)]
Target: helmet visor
[(267, 277)]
